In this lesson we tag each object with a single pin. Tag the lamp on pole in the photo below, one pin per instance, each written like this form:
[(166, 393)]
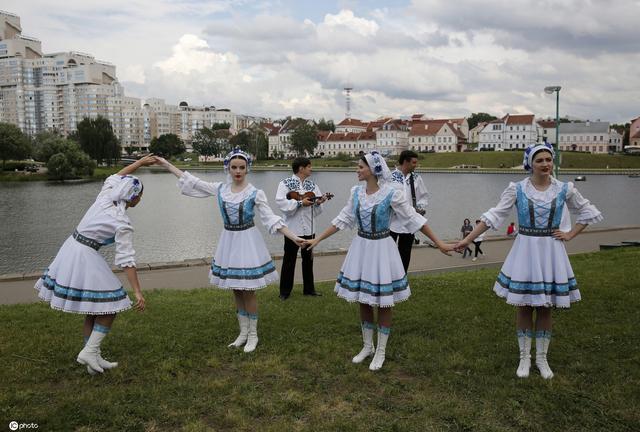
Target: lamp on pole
[(551, 90)]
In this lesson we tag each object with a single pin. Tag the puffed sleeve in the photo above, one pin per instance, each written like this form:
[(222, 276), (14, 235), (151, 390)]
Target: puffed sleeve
[(192, 186), (286, 206), (125, 255), (318, 208), (422, 194), (586, 213), (271, 221), (494, 217), (109, 184), (405, 212), (346, 218)]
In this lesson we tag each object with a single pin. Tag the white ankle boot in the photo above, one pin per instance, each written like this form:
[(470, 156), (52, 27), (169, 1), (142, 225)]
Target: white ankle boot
[(243, 321), (542, 347), (378, 358), (252, 337), (524, 342), (368, 348), (89, 354)]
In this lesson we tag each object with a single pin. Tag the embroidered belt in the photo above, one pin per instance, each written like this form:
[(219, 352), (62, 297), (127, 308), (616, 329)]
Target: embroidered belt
[(238, 227), (93, 244), (536, 232), (374, 235)]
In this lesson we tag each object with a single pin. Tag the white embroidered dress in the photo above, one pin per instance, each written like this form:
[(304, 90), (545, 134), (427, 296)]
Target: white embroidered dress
[(79, 280), (537, 271), (241, 260), (372, 272)]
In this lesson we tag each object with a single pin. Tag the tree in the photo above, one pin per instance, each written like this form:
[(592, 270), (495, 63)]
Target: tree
[(218, 126), (210, 142), (324, 125), (241, 140), (478, 118), (46, 144), (69, 161), (97, 139), (624, 130), (304, 139), (13, 143), (167, 145)]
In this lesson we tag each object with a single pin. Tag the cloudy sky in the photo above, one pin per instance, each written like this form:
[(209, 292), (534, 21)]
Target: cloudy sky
[(287, 57)]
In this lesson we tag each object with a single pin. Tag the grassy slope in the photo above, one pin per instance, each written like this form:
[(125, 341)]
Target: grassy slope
[(451, 363)]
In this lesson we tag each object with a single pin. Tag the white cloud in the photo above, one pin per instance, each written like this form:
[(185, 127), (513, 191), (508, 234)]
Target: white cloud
[(346, 19), (132, 73)]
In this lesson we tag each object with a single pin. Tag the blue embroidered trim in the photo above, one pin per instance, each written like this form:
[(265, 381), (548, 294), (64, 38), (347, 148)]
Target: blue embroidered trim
[(376, 290), (75, 294), (397, 176), (548, 288), (543, 334), (101, 329), (384, 330), (252, 316), (368, 325), (524, 332), (242, 273), (242, 312), (237, 216)]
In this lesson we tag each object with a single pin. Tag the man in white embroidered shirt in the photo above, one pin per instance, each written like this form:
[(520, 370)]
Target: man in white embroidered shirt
[(300, 201), (415, 191)]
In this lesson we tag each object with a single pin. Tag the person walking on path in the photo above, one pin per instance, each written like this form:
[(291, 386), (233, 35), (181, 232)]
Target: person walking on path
[(372, 273), (476, 243), (293, 198), (411, 184), (241, 262), (537, 274), (80, 281), (465, 230)]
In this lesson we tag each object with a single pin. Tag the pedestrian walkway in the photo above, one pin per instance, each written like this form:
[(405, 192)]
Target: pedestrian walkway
[(192, 274)]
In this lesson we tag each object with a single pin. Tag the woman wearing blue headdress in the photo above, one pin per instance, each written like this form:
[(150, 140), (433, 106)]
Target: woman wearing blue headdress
[(537, 274), (372, 273), (241, 262), (80, 281)]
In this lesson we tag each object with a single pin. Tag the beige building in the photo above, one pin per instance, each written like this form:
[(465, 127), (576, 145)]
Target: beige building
[(634, 132), (586, 136)]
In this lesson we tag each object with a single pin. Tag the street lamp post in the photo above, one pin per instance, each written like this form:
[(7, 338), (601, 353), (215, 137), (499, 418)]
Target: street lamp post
[(551, 90)]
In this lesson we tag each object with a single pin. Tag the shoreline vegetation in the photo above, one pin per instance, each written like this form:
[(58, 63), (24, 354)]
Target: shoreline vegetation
[(468, 162), (451, 362)]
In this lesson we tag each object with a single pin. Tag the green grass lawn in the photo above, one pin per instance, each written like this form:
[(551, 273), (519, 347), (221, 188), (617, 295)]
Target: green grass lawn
[(451, 363)]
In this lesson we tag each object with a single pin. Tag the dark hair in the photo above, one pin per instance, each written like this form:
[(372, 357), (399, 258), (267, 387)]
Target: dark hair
[(246, 162), (465, 221), (364, 159), (300, 162), (406, 155)]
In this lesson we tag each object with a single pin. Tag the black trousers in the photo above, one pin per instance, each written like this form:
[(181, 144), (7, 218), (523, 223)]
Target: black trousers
[(405, 242), (478, 250), (289, 267)]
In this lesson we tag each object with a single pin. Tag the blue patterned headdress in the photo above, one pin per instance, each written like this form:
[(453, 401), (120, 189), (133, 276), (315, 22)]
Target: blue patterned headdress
[(239, 153), (527, 162), (378, 165)]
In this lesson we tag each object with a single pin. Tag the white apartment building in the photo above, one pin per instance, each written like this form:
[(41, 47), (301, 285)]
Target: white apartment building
[(436, 136), (351, 125), (351, 143), (615, 141), (510, 132), (393, 137), (586, 136), (548, 130)]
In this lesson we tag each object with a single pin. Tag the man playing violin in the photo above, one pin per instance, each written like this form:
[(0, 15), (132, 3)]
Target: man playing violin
[(300, 200)]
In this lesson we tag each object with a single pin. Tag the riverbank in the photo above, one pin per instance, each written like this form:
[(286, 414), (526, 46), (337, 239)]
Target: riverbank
[(450, 364), (191, 274)]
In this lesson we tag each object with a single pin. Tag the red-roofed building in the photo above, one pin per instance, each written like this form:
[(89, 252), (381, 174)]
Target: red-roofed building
[(351, 125), (510, 132), (437, 136), (393, 137), (280, 141), (351, 143), (548, 130)]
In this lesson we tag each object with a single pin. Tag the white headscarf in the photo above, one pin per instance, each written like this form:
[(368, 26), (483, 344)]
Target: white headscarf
[(378, 166), (530, 152), (129, 188)]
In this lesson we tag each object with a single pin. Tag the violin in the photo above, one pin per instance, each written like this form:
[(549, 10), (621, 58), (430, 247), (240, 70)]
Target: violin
[(295, 195)]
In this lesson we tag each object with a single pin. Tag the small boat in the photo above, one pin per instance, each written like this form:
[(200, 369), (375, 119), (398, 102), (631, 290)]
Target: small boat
[(580, 178)]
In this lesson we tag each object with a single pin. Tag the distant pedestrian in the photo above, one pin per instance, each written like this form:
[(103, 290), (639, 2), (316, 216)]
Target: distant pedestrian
[(80, 281), (511, 229), (537, 274), (465, 230), (476, 243)]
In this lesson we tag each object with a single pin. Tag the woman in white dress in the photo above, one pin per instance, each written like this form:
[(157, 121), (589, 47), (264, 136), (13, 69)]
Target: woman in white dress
[(80, 281), (537, 274), (241, 262), (372, 273)]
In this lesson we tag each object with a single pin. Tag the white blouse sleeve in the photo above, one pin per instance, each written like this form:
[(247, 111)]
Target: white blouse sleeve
[(346, 218), (405, 212), (192, 186), (109, 184), (271, 221), (586, 213), (422, 195), (286, 206), (494, 217), (125, 255)]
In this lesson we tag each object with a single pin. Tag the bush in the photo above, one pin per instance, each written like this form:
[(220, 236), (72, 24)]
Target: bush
[(70, 163)]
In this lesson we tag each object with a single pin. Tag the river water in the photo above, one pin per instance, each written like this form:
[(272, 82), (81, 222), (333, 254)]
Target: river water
[(37, 217)]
